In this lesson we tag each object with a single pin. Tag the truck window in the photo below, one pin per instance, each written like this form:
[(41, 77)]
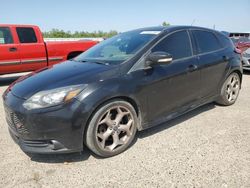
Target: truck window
[(26, 35), (5, 36)]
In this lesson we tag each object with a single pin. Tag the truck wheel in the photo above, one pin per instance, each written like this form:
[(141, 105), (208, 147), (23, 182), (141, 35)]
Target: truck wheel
[(112, 128)]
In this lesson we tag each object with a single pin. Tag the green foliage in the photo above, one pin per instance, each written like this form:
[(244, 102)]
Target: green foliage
[(56, 33), (165, 23)]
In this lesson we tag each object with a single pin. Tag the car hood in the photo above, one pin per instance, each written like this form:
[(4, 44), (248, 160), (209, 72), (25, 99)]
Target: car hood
[(64, 74)]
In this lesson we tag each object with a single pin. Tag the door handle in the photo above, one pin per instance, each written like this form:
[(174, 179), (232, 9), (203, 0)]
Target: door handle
[(13, 49), (192, 68)]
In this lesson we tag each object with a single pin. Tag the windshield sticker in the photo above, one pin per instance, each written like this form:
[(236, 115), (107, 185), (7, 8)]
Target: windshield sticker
[(150, 32)]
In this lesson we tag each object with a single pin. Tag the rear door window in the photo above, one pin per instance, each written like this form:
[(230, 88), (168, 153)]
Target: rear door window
[(26, 35), (5, 36), (176, 44), (206, 41)]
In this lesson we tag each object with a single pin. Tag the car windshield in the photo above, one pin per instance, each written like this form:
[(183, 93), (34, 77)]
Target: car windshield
[(117, 49)]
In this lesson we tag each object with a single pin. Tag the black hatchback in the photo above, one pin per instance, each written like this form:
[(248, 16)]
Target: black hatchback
[(130, 82)]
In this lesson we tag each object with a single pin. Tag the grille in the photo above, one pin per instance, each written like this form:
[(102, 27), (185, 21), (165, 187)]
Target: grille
[(14, 121), (9, 115), (19, 124)]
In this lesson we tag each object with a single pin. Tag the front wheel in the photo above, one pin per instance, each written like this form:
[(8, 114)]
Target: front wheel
[(112, 128), (230, 90)]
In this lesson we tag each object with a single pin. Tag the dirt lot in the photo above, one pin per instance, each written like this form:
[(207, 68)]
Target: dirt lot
[(209, 147)]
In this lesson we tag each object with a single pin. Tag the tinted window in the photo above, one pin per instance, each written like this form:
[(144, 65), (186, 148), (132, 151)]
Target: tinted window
[(26, 35), (5, 36), (206, 41), (177, 44), (225, 41)]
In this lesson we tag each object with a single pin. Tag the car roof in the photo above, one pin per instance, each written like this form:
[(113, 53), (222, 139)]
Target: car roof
[(173, 28), (17, 25)]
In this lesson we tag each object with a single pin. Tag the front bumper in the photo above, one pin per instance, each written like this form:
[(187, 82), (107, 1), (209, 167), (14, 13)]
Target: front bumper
[(246, 67), (39, 146), (55, 130), (246, 63)]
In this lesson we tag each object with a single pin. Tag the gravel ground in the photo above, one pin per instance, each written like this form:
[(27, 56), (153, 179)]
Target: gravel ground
[(208, 147)]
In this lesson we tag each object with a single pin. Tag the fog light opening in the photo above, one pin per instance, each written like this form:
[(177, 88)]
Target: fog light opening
[(55, 145)]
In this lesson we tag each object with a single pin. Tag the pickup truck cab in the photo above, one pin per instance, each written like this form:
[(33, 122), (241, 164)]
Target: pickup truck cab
[(23, 49)]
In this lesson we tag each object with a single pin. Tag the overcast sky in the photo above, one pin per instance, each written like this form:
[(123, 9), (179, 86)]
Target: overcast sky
[(122, 15)]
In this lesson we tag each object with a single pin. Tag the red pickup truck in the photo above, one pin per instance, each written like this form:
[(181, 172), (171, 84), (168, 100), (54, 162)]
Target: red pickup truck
[(23, 49)]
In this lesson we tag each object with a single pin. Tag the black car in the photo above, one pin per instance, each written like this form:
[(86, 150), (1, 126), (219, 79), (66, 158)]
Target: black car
[(130, 82)]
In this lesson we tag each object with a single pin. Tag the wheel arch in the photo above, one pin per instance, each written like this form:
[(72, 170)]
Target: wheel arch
[(221, 98), (235, 71), (239, 73)]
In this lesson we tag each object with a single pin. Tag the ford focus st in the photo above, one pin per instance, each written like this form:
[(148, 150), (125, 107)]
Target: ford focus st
[(130, 82)]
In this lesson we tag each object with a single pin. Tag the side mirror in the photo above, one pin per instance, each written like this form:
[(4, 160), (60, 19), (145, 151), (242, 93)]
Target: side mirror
[(158, 57)]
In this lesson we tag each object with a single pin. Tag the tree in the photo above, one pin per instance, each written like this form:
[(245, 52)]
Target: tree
[(56, 33), (165, 23)]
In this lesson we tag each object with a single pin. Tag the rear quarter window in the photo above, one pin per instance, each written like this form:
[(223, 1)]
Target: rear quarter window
[(226, 41), (26, 35), (206, 41)]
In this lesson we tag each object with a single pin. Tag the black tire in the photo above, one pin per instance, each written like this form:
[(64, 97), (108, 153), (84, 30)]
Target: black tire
[(101, 138), (230, 88)]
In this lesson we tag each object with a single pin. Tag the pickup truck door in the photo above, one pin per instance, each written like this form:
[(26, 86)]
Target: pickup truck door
[(9, 54), (32, 48)]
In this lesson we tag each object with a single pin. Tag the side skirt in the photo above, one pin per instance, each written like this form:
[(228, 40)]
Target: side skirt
[(178, 113)]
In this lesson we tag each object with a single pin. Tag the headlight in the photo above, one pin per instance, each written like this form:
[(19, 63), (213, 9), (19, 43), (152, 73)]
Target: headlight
[(53, 97)]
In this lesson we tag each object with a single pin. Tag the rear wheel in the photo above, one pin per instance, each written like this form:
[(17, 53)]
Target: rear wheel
[(112, 128), (230, 90)]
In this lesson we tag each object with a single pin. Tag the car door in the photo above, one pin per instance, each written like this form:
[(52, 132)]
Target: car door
[(9, 54), (171, 87), (32, 48), (213, 61)]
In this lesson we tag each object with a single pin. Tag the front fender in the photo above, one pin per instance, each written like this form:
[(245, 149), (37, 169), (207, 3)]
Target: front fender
[(96, 95)]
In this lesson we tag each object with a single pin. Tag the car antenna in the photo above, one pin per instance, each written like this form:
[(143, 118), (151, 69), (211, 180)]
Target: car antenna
[(193, 22)]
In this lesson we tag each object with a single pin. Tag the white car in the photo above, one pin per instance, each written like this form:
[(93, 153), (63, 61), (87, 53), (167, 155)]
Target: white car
[(246, 59)]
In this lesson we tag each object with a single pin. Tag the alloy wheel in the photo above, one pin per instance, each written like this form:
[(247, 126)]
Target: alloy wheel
[(115, 128), (232, 88)]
